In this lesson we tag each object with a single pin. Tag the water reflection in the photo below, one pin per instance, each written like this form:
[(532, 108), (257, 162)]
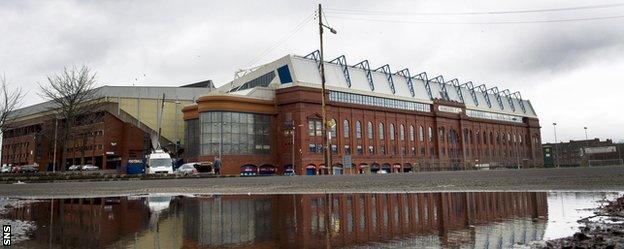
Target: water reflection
[(479, 220)]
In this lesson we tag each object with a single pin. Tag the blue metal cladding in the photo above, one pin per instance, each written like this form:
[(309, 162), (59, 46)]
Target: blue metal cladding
[(423, 76), (455, 83), (519, 97), (494, 90), (507, 94), (472, 91), (342, 61), (386, 70), (483, 89), (284, 74), (405, 73), (364, 65), (440, 80), (316, 56)]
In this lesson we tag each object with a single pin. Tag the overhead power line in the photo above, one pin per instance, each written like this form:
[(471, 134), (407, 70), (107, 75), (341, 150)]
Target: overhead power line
[(282, 40), (381, 12), (483, 22)]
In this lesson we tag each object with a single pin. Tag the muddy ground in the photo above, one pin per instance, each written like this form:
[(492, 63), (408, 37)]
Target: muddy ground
[(564, 179), (605, 229)]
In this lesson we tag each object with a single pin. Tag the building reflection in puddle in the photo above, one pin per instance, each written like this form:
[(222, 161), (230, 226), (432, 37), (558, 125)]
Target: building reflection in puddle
[(479, 220)]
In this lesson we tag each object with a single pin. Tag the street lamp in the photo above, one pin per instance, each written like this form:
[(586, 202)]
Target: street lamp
[(293, 146), (327, 153), (585, 128), (556, 151)]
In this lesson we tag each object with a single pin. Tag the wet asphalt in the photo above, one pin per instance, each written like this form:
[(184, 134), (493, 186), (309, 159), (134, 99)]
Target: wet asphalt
[(563, 179)]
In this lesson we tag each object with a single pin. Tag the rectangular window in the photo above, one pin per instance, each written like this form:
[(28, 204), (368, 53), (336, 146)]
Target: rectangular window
[(360, 150), (347, 150), (319, 128)]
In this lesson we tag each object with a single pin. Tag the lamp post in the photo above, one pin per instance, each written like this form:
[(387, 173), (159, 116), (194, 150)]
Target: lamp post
[(585, 128), (326, 152), (293, 146), (556, 158)]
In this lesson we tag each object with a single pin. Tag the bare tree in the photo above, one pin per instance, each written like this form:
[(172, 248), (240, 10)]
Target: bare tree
[(72, 94), (10, 100)]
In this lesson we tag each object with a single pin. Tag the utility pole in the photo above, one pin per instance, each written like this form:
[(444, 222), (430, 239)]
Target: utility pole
[(327, 152), (293, 148)]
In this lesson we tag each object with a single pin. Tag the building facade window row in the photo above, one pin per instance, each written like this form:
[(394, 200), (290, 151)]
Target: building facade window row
[(493, 116), (476, 143), (359, 99)]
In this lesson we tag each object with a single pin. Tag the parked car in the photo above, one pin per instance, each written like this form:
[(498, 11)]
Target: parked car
[(203, 167), (186, 169), (74, 168), (29, 168), (6, 168), (89, 167), (289, 172)]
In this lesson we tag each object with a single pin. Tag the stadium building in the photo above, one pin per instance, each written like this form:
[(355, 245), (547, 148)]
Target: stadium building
[(268, 119), (122, 127)]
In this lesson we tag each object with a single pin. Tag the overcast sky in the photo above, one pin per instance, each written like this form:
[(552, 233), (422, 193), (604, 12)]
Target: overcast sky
[(570, 71)]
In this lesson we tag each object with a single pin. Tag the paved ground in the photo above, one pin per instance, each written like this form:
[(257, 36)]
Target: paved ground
[(566, 179)]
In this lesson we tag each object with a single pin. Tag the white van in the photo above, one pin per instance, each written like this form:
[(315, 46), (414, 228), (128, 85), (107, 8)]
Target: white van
[(159, 162)]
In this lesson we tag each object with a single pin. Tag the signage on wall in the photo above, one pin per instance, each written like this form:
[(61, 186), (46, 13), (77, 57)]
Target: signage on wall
[(451, 109), (110, 153)]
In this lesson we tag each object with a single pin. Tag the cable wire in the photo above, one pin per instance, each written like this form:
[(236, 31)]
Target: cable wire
[(484, 22), (282, 40), (379, 12)]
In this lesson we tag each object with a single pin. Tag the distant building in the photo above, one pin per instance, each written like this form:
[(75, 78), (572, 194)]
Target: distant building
[(591, 152), (121, 129), (385, 120)]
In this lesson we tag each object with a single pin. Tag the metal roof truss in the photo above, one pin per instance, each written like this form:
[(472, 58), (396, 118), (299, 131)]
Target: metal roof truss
[(423, 76), (483, 89), (405, 73), (386, 70), (342, 61), (364, 65)]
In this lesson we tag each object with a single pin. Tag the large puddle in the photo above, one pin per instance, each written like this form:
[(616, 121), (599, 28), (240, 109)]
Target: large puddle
[(392, 220)]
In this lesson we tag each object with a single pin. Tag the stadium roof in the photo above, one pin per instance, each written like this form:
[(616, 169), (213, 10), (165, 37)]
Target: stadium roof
[(379, 81)]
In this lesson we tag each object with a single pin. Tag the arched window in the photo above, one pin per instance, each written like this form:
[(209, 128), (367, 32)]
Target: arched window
[(402, 132), (381, 131), (491, 138), (332, 129), (370, 130), (345, 128), (391, 131), (358, 129), (421, 134), (430, 134), (411, 133)]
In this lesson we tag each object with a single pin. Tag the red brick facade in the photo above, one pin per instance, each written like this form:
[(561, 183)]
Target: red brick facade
[(477, 141), (107, 143)]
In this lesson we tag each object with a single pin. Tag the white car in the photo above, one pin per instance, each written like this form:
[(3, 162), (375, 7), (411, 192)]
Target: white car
[(89, 167), (159, 162), (187, 169), (6, 168), (74, 168)]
